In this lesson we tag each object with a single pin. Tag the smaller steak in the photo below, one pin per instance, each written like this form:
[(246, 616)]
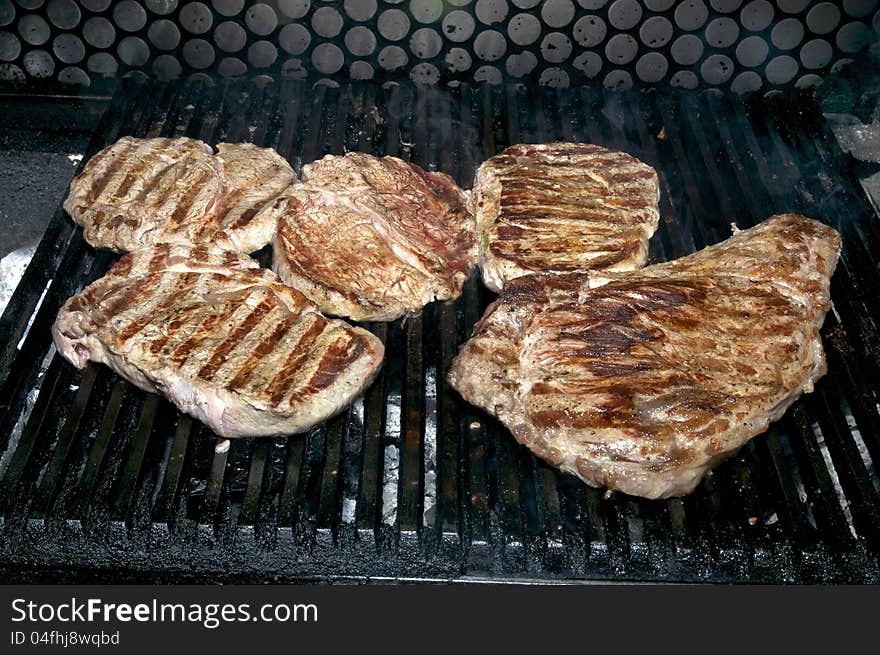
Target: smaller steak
[(255, 177), (563, 207), (219, 336), (140, 192), (374, 238)]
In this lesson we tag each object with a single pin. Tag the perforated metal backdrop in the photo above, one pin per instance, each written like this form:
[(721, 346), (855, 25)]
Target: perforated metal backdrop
[(743, 45)]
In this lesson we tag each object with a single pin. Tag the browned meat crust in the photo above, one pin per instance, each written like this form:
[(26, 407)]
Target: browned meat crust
[(563, 207), (139, 192), (643, 381), (374, 238)]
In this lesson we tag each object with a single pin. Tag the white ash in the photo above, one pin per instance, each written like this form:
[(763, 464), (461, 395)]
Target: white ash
[(391, 470), (11, 269), (389, 485), (349, 507), (861, 140)]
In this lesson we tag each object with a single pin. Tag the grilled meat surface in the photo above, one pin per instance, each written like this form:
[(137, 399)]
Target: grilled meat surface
[(642, 382), (255, 177), (140, 192), (374, 238), (222, 338), (562, 207)]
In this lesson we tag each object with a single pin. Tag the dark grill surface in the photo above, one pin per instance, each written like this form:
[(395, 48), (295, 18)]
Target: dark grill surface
[(412, 482)]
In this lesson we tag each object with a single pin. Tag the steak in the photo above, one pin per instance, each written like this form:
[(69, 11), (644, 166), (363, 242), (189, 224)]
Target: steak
[(562, 207), (140, 192), (374, 238), (642, 382), (222, 338)]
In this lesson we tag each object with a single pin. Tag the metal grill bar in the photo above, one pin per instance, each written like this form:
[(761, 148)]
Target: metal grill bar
[(288, 508), (370, 483), (442, 346), (170, 491), (92, 469)]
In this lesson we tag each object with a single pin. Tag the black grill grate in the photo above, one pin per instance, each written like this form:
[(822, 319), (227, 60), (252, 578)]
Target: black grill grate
[(411, 481)]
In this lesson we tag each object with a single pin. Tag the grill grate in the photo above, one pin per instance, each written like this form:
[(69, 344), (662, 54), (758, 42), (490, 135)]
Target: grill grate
[(410, 481)]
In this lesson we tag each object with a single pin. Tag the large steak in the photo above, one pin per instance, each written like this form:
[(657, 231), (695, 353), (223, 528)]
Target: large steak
[(643, 381)]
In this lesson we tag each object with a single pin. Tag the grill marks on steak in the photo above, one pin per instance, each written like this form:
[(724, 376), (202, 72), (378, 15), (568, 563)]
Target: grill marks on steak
[(223, 339), (139, 192), (256, 176), (374, 238), (562, 207), (136, 190), (644, 381)]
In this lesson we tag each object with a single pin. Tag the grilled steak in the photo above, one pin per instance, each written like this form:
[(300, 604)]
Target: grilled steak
[(374, 238), (139, 192), (562, 207), (648, 380), (222, 338)]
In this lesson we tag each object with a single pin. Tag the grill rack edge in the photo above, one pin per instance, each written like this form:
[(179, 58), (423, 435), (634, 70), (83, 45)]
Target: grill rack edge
[(411, 481)]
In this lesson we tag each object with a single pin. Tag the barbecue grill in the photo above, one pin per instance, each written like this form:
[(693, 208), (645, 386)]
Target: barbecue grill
[(101, 481)]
